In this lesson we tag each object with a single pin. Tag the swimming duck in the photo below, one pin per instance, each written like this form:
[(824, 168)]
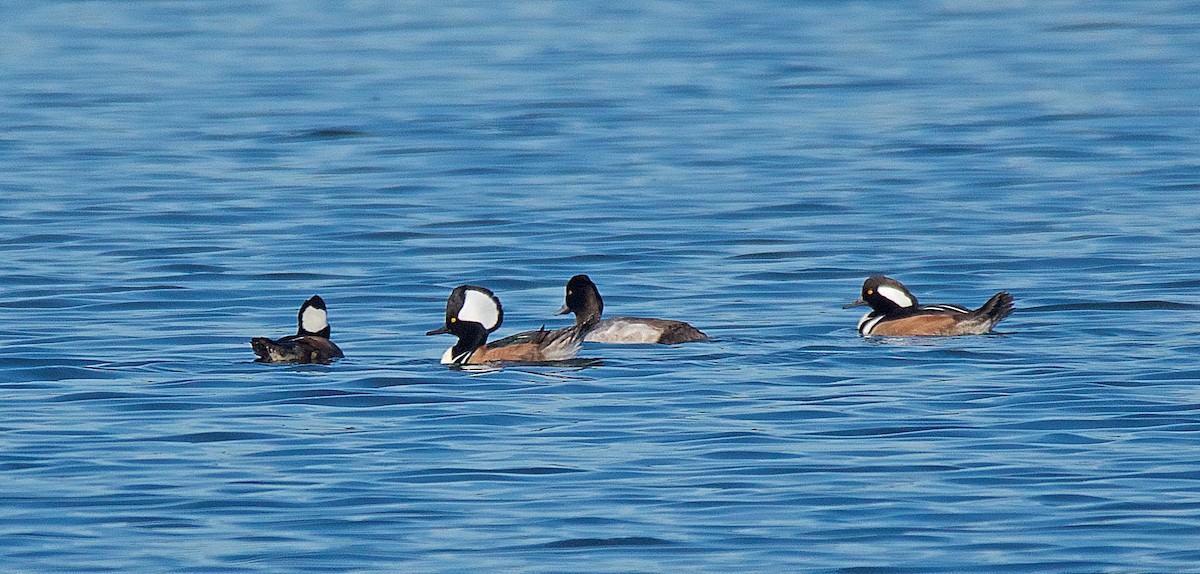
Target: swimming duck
[(583, 298), (895, 312), (310, 344), (473, 312)]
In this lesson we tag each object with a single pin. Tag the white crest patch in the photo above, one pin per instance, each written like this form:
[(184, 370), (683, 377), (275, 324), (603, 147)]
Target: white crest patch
[(480, 308), (314, 320), (896, 296)]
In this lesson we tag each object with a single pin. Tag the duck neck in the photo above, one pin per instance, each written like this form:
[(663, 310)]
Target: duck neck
[(471, 336), (588, 315)]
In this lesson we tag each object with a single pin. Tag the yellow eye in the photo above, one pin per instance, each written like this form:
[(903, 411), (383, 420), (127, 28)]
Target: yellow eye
[(454, 319), (870, 292), (570, 292)]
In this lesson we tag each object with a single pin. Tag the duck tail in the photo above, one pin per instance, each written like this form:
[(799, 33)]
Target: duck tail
[(681, 333), (265, 348), (994, 311)]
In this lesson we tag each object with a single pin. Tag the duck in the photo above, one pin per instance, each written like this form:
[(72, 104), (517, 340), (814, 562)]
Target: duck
[(310, 344), (474, 312), (583, 299), (895, 312)]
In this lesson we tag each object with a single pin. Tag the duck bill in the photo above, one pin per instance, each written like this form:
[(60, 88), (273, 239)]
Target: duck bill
[(858, 303), (439, 331), (563, 310)]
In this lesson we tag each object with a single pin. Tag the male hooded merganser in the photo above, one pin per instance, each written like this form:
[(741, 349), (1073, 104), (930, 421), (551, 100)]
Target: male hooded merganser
[(895, 312), (584, 300), (474, 312), (310, 344)]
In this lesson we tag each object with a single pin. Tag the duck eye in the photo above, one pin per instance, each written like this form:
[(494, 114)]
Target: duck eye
[(569, 292), (454, 319), (870, 292)]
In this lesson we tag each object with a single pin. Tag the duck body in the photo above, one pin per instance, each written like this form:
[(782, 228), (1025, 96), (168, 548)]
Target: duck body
[(896, 313), (473, 312), (542, 346), (623, 330), (310, 344), (295, 349), (583, 299)]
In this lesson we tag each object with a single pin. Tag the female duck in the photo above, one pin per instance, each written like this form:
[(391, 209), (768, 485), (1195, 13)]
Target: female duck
[(310, 344), (473, 312), (895, 312), (584, 300)]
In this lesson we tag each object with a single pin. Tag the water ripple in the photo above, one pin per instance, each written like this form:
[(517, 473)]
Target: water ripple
[(178, 178)]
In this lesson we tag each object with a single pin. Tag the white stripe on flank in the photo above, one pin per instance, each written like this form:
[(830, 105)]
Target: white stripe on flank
[(947, 308)]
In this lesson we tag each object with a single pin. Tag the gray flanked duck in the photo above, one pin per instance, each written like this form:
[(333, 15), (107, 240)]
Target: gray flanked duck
[(583, 299)]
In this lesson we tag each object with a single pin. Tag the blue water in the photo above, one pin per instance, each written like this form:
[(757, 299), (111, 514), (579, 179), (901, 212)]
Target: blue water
[(177, 177)]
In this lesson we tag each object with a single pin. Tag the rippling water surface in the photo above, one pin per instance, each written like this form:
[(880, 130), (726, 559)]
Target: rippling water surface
[(178, 177)]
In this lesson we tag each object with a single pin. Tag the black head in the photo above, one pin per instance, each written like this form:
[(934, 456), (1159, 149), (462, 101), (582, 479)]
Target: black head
[(471, 313), (884, 295), (313, 318), (469, 303), (583, 299)]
